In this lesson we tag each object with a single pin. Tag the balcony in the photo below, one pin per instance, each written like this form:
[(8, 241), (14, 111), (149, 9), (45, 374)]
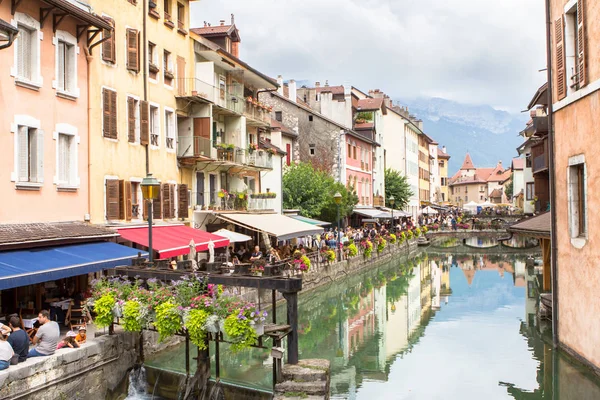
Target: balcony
[(258, 114), (199, 148), (232, 201), (539, 155), (230, 101)]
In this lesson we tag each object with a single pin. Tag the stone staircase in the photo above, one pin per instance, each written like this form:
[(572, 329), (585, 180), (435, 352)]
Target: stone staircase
[(309, 379)]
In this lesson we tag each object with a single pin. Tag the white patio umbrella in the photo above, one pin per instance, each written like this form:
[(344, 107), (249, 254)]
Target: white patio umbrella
[(488, 204), (233, 237), (429, 210), (192, 255), (211, 252)]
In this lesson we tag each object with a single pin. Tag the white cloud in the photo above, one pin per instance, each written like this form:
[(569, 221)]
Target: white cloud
[(472, 51)]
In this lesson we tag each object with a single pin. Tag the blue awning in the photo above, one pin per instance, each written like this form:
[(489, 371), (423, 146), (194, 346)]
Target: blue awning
[(27, 267)]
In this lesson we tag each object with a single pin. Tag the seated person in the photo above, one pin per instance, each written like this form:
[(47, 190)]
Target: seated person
[(4, 329), (256, 255), (81, 336), (18, 339), (6, 352), (274, 256), (68, 341), (235, 260), (46, 337)]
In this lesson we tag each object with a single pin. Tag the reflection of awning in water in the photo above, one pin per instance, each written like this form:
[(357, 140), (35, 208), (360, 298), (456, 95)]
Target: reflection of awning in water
[(277, 225), (172, 240), (309, 220), (31, 266)]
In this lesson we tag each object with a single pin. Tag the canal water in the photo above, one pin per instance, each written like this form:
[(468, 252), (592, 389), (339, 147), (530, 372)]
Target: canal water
[(437, 326)]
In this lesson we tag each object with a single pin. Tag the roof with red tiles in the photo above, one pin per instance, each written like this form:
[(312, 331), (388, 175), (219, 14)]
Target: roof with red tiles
[(468, 163), (441, 154), (496, 193), (364, 126), (14, 234), (215, 30), (369, 104), (332, 89), (499, 174), (538, 226), (518, 163), (282, 127)]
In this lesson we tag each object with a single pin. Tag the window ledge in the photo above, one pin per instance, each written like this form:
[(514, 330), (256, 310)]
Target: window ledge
[(28, 185), (26, 83), (578, 242), (154, 14), (66, 95), (67, 188), (169, 24), (182, 31)]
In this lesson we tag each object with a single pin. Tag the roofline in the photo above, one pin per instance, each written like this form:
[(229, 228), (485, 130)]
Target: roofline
[(536, 97), (243, 64), (407, 119), (310, 110)]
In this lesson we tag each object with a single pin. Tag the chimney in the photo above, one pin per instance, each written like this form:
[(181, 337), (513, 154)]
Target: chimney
[(317, 84), (222, 22), (280, 83), (419, 124), (235, 49), (326, 83), (232, 19), (292, 93), (444, 149)]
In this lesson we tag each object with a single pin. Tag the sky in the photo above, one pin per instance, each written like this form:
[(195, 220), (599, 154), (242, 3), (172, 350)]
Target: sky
[(470, 51)]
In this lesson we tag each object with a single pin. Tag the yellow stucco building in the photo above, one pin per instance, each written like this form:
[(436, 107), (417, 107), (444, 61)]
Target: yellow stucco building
[(135, 76), (443, 159)]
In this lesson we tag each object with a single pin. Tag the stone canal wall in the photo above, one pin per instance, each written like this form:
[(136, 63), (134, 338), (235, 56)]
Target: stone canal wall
[(91, 372)]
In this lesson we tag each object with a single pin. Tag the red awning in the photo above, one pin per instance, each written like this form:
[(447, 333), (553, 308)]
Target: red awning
[(174, 240)]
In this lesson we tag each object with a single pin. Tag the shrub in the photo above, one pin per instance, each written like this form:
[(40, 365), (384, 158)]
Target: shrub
[(352, 250), (167, 321)]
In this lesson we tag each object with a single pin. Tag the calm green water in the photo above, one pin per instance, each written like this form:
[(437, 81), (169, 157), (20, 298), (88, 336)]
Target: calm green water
[(434, 327)]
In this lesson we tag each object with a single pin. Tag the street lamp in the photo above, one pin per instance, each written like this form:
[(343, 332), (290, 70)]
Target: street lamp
[(392, 200), (150, 192), (337, 197)]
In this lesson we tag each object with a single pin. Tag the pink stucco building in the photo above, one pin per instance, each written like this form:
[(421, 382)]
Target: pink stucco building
[(359, 168), (44, 112)]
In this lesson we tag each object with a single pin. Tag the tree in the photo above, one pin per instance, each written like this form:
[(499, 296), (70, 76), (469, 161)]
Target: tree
[(508, 189), (397, 185), (311, 191)]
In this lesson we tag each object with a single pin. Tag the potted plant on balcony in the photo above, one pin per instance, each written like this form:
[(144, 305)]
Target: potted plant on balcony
[(252, 147), (270, 152), (222, 193)]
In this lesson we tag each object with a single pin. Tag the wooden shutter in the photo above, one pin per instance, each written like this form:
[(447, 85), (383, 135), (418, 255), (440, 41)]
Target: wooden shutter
[(112, 199), (561, 70), (181, 75), (133, 50), (172, 201), (144, 122), (23, 143), (182, 204), (130, 120), (156, 208), (113, 114), (108, 46), (127, 203), (166, 195), (581, 44), (106, 97), (121, 199)]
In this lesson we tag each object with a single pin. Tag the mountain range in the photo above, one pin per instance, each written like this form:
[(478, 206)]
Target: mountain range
[(488, 134)]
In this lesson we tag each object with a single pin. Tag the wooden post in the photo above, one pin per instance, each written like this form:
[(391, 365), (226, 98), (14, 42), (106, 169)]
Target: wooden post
[(292, 320), (187, 354), (546, 260)]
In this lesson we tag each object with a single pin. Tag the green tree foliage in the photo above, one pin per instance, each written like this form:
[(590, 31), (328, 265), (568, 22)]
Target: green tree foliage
[(508, 188), (397, 185), (311, 191)]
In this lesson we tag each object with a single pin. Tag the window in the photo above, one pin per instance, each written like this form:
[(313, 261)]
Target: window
[(67, 160), (109, 113), (27, 52), (354, 152), (133, 120), (133, 50), (442, 164), (30, 145), (311, 149), (222, 87), (181, 18), (136, 200), (154, 126), (168, 68), (152, 61), (577, 192), (529, 191), (170, 129), (278, 116), (528, 160), (167, 9), (67, 74), (108, 46), (310, 118)]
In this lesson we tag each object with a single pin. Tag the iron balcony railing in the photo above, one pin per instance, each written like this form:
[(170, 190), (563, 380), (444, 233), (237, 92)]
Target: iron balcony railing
[(197, 146), (230, 98), (257, 112), (229, 201)]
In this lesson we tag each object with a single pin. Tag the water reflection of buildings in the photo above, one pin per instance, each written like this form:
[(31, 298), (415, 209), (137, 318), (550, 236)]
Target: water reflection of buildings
[(470, 264)]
